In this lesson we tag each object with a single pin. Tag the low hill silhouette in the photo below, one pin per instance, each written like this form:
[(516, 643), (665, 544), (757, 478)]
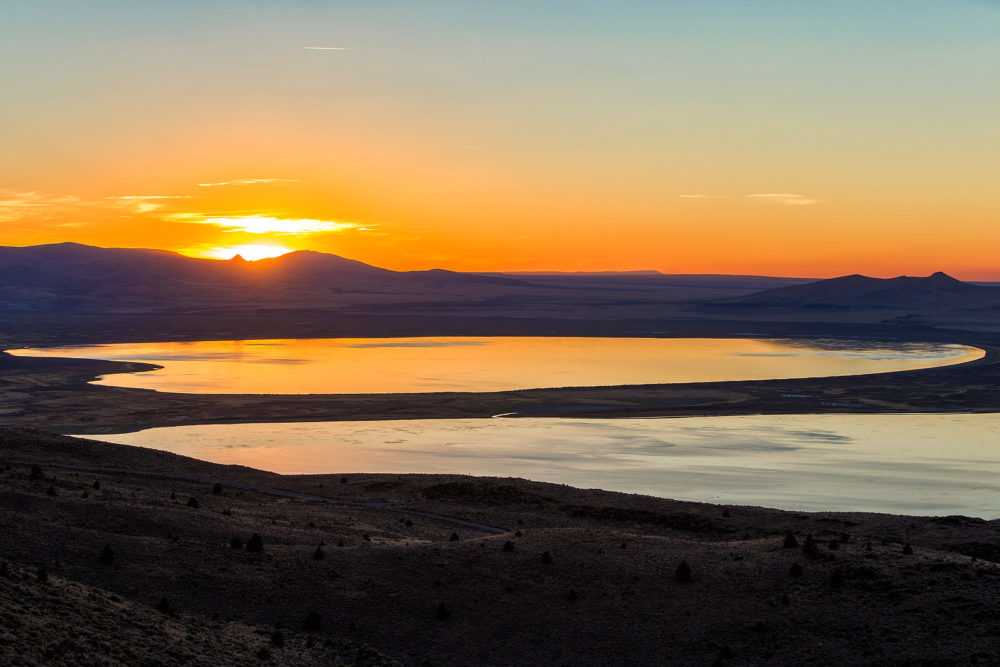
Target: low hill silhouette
[(935, 292)]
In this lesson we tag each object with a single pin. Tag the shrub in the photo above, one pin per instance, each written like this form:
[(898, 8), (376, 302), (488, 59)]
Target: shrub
[(834, 545), (442, 612), (193, 502), (318, 554), (216, 489), (51, 490), (907, 550), (42, 574), (683, 573), (85, 494), (4, 570), (453, 538), (547, 558), (164, 607), (571, 596), (263, 653), (366, 537), (173, 496), (810, 548), (277, 639), (96, 485), (837, 579), (340, 543), (790, 542), (255, 544), (107, 556), (36, 473), (236, 543), (508, 547), (313, 622), (795, 571)]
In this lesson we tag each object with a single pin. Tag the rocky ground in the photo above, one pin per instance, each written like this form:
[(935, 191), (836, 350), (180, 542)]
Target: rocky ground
[(568, 576)]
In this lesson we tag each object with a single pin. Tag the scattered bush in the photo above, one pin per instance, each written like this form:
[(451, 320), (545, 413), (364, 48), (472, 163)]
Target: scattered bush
[(36, 473), (408, 523), (318, 554), (834, 545), (442, 612), (366, 537), (216, 489), (164, 607), (310, 642), (96, 485), (517, 533), (255, 544), (51, 490), (313, 622), (795, 571), (837, 579), (790, 542), (571, 596), (42, 574), (85, 494), (277, 639), (263, 654), (107, 556), (173, 496), (725, 513), (340, 543), (810, 548), (683, 573), (343, 480), (907, 550), (453, 538), (547, 558), (236, 543), (193, 502), (4, 570)]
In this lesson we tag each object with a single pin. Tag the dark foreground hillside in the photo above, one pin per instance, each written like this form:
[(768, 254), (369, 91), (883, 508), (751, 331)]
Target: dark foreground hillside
[(575, 576)]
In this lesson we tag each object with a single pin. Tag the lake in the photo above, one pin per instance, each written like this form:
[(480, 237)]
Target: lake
[(931, 464), (385, 365)]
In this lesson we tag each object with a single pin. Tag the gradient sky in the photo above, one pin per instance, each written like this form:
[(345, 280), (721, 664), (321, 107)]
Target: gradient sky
[(792, 137)]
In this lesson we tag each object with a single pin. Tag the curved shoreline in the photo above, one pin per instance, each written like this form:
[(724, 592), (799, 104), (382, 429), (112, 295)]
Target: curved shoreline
[(53, 394)]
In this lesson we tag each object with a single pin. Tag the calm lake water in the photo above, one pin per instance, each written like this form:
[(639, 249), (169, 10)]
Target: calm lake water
[(915, 464), (381, 365)]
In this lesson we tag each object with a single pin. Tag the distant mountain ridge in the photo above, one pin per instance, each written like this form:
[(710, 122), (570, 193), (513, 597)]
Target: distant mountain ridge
[(936, 291)]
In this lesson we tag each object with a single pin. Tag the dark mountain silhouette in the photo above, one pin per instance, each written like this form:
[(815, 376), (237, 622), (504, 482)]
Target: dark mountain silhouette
[(938, 291), (72, 276)]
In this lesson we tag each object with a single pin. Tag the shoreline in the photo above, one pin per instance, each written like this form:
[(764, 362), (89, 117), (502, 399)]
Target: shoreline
[(55, 394)]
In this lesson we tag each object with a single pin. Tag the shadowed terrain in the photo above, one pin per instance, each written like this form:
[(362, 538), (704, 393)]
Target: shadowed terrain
[(577, 577)]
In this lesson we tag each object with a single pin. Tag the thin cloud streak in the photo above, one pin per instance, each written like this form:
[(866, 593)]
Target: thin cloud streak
[(250, 181), (326, 48), (784, 198)]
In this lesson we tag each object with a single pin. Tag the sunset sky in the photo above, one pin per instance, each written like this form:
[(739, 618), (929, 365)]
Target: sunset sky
[(792, 137)]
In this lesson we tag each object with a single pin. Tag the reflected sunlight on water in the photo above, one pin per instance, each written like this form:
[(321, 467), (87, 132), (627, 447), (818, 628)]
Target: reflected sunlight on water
[(384, 365)]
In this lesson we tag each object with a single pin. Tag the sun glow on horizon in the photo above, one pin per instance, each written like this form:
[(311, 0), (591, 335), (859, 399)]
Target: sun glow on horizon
[(250, 252)]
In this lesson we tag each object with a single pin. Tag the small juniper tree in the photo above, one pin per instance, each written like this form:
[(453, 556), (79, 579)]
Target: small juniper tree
[(36, 473), (442, 613), (107, 556), (193, 502), (790, 542), (236, 543), (255, 544), (547, 558), (810, 548), (683, 573), (313, 622), (277, 639), (216, 489), (795, 571), (318, 554)]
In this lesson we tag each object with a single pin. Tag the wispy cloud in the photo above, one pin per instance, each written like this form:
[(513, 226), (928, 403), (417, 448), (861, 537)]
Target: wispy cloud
[(326, 48), (784, 198), (16, 205), (700, 196), (250, 181), (256, 224), (143, 203)]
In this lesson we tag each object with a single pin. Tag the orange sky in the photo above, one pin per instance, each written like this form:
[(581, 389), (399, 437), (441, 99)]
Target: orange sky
[(781, 139)]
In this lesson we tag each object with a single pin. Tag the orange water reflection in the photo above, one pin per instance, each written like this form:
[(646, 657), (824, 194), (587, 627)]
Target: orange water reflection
[(381, 365)]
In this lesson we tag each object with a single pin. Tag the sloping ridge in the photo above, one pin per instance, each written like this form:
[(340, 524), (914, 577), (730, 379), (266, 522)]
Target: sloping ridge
[(937, 291)]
